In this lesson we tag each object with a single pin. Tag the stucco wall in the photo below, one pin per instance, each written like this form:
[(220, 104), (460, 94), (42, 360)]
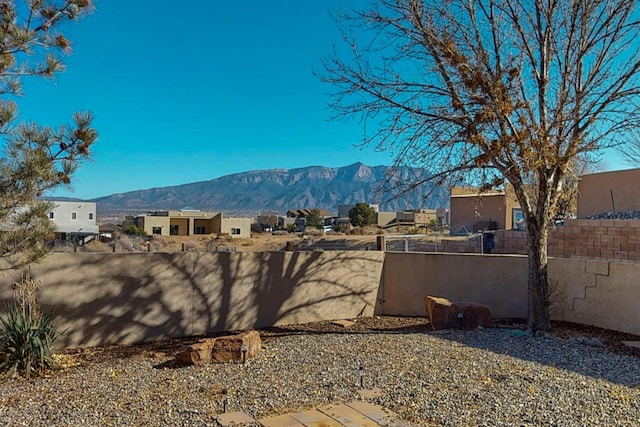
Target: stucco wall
[(243, 224), (608, 192), (126, 298), (497, 281), (591, 292)]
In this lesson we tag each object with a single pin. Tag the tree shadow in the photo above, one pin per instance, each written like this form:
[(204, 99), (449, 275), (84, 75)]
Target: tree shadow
[(103, 299)]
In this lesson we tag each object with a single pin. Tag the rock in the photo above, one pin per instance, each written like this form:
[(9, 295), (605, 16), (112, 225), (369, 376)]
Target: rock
[(592, 342), (196, 354), (595, 342), (444, 314), (229, 348)]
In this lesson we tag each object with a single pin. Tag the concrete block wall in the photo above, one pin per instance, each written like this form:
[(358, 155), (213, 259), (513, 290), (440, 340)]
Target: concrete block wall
[(615, 240)]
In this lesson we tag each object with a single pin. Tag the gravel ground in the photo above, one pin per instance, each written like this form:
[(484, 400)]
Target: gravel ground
[(488, 377)]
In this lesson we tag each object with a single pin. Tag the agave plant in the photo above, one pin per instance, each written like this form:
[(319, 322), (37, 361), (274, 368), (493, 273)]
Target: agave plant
[(26, 339), (26, 335)]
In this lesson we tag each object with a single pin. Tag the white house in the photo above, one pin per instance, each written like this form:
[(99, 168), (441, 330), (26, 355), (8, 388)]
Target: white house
[(74, 220)]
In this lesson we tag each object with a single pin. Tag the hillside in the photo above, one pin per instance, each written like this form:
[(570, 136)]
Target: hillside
[(278, 190)]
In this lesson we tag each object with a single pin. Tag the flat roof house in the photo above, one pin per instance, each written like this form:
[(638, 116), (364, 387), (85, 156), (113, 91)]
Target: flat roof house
[(471, 210), (74, 220), (190, 222)]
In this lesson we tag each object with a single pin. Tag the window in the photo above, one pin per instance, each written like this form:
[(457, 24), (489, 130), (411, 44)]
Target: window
[(200, 230), (50, 215), (156, 230), (174, 230), (91, 216), (73, 215), (235, 231)]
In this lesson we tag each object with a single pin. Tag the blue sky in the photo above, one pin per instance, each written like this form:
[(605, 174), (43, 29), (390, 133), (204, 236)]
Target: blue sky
[(185, 92), (190, 91)]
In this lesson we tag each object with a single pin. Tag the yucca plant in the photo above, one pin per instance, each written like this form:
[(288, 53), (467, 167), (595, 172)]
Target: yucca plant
[(26, 335)]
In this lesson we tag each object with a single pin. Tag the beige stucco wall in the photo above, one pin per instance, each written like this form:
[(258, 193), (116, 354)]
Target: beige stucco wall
[(497, 281), (609, 191), (244, 224), (590, 292), (384, 218), (156, 221), (466, 208), (133, 297), (184, 225), (126, 298)]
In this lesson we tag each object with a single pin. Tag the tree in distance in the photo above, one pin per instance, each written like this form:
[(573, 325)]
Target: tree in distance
[(362, 215), (314, 219), (34, 158), (490, 92)]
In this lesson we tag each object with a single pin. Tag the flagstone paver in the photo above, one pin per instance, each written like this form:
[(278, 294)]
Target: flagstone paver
[(234, 418), (353, 414), (348, 416)]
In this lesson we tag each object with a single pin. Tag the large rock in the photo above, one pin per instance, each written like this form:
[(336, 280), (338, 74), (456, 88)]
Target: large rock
[(229, 348), (196, 354), (445, 314)]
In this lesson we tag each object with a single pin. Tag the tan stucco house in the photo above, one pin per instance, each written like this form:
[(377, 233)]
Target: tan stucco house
[(471, 210), (190, 222)]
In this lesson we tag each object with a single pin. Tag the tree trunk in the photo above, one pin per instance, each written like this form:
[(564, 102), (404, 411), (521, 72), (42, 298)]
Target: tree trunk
[(537, 280)]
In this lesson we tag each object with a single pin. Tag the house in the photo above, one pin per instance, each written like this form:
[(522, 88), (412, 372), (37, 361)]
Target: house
[(109, 231), (472, 210), (188, 222), (416, 217), (74, 220), (603, 192)]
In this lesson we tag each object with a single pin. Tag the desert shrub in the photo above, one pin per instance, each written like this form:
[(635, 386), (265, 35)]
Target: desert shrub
[(131, 244), (359, 231), (26, 335), (345, 228), (292, 227), (97, 246), (133, 230)]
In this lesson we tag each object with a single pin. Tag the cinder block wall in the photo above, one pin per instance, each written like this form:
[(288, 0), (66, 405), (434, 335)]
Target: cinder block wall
[(605, 239)]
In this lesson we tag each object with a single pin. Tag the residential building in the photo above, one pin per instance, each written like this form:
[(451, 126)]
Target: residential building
[(614, 191), (188, 222), (472, 210), (74, 220), (384, 219), (416, 217)]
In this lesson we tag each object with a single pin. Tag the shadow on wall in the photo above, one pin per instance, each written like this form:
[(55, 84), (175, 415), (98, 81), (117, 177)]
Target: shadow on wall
[(128, 298)]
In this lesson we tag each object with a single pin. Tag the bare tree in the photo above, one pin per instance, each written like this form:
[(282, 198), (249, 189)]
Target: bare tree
[(631, 151), (34, 158), (496, 90)]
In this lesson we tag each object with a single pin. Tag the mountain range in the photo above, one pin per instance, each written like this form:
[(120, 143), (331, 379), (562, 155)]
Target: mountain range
[(279, 190)]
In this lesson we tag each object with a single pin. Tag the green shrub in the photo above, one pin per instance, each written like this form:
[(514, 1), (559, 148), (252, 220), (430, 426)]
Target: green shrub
[(135, 231)]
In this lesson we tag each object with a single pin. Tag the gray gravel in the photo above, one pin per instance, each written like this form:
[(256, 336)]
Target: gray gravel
[(484, 377)]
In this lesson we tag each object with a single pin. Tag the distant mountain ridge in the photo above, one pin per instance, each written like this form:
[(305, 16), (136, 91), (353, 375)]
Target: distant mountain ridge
[(278, 190)]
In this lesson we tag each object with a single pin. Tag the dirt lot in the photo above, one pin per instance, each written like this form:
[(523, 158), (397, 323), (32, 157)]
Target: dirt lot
[(257, 243)]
